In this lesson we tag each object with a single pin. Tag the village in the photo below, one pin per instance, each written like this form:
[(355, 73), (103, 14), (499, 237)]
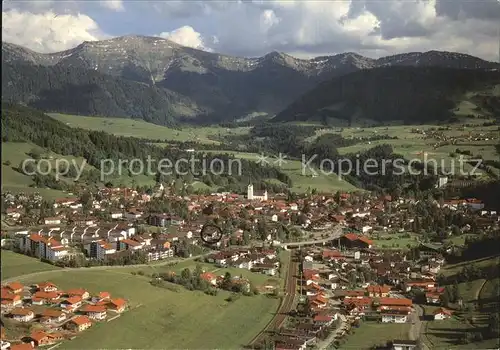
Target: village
[(54, 314), (353, 257)]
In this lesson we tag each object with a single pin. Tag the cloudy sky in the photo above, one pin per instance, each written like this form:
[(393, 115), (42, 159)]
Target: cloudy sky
[(303, 28)]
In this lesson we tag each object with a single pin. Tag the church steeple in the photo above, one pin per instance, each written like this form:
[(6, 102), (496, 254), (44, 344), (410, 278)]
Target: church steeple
[(250, 191)]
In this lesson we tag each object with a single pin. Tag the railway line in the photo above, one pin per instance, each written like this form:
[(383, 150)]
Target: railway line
[(286, 304)]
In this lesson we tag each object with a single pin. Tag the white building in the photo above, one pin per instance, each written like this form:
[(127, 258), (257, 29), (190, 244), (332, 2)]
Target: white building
[(100, 249), (160, 254), (394, 317), (42, 247), (257, 195)]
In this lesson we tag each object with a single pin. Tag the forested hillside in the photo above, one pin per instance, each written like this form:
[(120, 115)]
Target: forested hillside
[(160, 81), (87, 92), (405, 94), (24, 124)]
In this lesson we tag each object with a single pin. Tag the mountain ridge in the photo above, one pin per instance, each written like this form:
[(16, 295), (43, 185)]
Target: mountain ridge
[(219, 87), (400, 93)]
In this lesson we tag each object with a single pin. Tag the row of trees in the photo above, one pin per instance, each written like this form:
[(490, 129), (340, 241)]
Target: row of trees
[(192, 280)]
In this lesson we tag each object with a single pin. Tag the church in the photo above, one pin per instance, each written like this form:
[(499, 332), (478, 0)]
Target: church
[(257, 195)]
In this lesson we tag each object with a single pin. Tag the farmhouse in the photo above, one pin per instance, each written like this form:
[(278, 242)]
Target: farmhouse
[(14, 287), (51, 316), (22, 315), (209, 277), (47, 287), (72, 303), (117, 305), (95, 312), (442, 314), (10, 300), (41, 338), (101, 296), (82, 293), (79, 323), (394, 316), (40, 298)]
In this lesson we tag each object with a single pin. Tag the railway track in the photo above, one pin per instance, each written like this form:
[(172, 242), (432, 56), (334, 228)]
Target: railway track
[(286, 304)]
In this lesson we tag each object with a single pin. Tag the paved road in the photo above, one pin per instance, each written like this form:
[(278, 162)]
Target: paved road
[(41, 273), (324, 344), (335, 233), (418, 326)]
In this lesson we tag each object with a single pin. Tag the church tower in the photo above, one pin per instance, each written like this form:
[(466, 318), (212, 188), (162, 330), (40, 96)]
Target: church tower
[(250, 192)]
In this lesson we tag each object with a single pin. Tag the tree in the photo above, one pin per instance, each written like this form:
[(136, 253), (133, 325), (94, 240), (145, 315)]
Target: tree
[(35, 153), (494, 325), (27, 168), (455, 296), (444, 299), (186, 274), (198, 270), (227, 281)]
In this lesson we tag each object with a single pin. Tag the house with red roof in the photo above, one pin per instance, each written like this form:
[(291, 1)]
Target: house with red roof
[(72, 303), (82, 293), (40, 298), (442, 314), (79, 323), (324, 320), (14, 287), (102, 296), (23, 346), (52, 316), (22, 314), (329, 255), (378, 291), (95, 312), (389, 302), (47, 287), (209, 277), (117, 305), (352, 240), (41, 338), (10, 300)]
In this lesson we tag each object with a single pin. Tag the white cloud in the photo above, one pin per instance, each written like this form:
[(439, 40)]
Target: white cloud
[(256, 27), (187, 36), (115, 5), (48, 31)]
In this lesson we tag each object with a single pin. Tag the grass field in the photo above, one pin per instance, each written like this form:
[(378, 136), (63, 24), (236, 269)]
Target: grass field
[(414, 145), (394, 240), (255, 278), (14, 265), (372, 333), (163, 318), (14, 181), (479, 263), (142, 129), (302, 176), (480, 296)]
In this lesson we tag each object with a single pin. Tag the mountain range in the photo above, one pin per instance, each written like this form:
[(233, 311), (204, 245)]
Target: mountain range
[(163, 82)]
